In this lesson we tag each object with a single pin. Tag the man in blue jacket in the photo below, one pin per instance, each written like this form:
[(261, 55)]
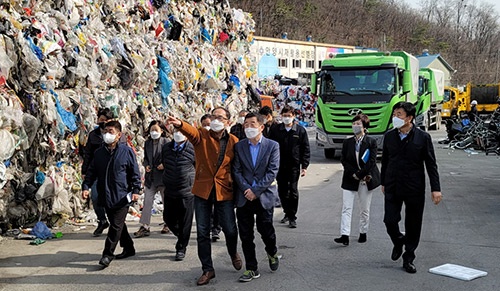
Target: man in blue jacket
[(118, 183), (255, 167)]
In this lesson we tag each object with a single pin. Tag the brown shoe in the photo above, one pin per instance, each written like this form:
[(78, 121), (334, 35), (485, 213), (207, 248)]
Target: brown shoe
[(205, 278), (165, 230), (237, 263)]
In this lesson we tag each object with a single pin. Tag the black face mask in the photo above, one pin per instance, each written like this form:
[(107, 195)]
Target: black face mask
[(102, 125)]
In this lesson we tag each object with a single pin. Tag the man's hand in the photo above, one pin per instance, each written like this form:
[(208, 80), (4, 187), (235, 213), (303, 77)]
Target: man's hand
[(383, 189), (436, 197), (85, 194), (249, 195), (174, 121), (135, 197), (148, 169), (303, 173), (160, 167)]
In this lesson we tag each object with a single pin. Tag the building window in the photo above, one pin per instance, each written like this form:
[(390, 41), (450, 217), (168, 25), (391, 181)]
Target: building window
[(310, 64), (283, 63), (297, 64)]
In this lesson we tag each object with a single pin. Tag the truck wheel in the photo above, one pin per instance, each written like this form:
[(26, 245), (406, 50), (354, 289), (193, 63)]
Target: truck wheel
[(330, 153)]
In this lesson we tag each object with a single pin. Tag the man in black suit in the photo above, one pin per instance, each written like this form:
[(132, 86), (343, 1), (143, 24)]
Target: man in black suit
[(406, 150)]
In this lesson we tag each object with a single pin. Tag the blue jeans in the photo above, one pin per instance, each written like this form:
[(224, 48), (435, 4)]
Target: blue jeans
[(100, 211), (225, 211)]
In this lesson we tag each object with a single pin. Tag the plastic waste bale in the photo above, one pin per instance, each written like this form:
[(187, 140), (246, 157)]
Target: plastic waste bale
[(60, 61)]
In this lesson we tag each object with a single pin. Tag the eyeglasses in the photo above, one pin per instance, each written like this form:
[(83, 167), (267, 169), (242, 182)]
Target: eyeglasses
[(218, 117)]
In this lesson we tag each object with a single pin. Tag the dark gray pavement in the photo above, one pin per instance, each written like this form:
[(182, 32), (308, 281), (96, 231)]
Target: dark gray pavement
[(463, 229)]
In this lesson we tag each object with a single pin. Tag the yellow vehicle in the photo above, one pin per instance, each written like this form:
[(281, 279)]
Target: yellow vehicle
[(485, 95), (454, 102)]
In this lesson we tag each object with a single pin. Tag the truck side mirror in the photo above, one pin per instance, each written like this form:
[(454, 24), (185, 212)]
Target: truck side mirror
[(314, 83), (407, 81)]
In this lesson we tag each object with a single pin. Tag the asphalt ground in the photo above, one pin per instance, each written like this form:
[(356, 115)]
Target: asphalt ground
[(463, 229)]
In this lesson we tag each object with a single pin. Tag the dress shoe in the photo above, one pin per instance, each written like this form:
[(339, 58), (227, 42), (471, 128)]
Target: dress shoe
[(236, 260), (409, 267), (205, 278), (343, 239), (125, 254), (362, 238), (397, 251), (100, 228), (180, 255), (105, 261)]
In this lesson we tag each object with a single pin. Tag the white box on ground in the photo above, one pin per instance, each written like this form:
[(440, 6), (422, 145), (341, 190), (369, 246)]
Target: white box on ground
[(458, 272)]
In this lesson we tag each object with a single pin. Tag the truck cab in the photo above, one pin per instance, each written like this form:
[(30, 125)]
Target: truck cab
[(369, 83)]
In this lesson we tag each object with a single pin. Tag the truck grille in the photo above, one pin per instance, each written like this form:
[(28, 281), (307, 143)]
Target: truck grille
[(337, 118)]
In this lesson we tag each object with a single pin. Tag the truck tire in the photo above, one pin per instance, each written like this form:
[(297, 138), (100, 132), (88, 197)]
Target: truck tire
[(330, 153)]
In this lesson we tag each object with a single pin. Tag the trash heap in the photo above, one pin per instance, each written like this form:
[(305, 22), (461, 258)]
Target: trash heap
[(298, 97), (62, 60)]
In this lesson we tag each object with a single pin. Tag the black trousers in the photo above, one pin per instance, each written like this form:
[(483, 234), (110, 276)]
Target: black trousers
[(288, 181), (178, 215), (250, 214), (117, 231), (414, 210)]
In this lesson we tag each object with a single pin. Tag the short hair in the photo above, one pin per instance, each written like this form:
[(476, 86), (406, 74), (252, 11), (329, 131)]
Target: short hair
[(159, 123), (243, 111), (260, 118), (365, 120), (266, 110), (116, 124), (205, 116), (105, 112), (228, 114), (287, 109), (408, 108)]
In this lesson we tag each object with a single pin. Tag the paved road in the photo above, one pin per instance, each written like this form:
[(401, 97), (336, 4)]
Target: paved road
[(463, 229)]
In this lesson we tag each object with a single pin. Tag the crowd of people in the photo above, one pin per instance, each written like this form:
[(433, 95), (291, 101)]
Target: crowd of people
[(208, 171), (205, 171)]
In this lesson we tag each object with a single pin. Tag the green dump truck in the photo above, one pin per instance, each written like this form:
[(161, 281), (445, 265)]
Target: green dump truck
[(430, 98), (370, 83)]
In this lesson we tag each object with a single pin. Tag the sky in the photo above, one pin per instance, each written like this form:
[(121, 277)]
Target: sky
[(496, 3)]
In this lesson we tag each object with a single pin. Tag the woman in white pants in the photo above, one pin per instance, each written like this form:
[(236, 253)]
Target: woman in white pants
[(361, 176)]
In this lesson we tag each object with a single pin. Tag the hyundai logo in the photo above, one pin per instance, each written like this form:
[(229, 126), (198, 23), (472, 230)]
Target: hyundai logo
[(354, 111)]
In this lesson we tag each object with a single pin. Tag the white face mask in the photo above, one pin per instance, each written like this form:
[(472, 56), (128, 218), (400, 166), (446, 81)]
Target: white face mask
[(251, 132), (109, 138), (241, 119), (357, 129), (397, 122), (179, 137), (216, 125), (207, 127), (287, 120), (155, 134)]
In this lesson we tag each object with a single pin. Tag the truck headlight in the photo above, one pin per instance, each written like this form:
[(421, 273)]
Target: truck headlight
[(447, 110), (321, 137)]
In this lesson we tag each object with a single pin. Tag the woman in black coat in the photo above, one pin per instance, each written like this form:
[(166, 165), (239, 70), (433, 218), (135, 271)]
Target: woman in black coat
[(361, 176), (153, 178)]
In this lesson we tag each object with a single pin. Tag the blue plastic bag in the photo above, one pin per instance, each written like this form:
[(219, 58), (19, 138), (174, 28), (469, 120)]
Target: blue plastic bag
[(40, 230), (165, 82)]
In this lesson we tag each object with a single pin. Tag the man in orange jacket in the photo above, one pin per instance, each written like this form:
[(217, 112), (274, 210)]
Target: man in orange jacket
[(213, 186)]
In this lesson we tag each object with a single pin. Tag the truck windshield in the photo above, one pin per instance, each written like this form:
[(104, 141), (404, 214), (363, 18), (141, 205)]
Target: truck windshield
[(357, 85)]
